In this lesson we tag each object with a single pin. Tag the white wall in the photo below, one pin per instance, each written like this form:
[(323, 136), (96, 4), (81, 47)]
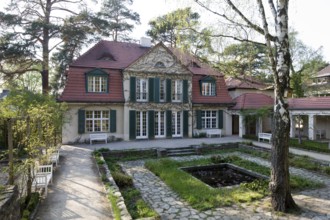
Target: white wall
[(70, 128)]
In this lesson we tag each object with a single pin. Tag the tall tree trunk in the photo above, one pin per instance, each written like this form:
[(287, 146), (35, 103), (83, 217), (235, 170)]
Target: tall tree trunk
[(45, 50), (281, 197)]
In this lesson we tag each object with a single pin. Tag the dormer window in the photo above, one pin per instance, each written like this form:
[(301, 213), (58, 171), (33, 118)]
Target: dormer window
[(107, 56), (208, 86), (194, 64), (160, 65), (97, 81)]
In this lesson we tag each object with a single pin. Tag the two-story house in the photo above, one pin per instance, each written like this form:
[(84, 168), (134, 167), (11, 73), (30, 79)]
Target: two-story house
[(138, 91), (320, 85)]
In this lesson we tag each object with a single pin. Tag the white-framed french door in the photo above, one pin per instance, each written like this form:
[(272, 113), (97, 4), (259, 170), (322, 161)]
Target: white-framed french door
[(177, 124), (141, 124), (159, 124)]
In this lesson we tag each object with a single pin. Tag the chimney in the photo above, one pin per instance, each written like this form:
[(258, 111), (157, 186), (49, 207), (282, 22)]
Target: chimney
[(145, 42)]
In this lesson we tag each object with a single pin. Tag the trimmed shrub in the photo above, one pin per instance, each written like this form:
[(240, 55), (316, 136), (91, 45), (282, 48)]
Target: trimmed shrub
[(122, 180)]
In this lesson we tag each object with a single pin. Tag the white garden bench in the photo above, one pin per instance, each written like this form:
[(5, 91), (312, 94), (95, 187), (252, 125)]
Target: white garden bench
[(97, 137), (42, 177), (264, 136), (213, 132), (55, 157)]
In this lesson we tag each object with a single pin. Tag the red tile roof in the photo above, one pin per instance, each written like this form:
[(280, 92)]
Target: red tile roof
[(245, 82), (252, 101), (310, 103), (75, 89), (222, 95), (116, 56), (193, 64), (110, 54), (324, 72)]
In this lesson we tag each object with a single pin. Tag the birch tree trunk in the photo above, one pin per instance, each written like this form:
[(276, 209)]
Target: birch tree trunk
[(281, 197)]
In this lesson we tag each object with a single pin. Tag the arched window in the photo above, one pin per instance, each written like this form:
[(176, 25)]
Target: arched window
[(160, 65)]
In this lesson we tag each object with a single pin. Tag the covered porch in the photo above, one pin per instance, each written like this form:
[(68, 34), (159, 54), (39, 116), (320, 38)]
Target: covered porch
[(251, 114), (310, 118)]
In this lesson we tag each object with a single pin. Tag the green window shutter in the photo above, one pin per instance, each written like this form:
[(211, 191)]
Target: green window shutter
[(185, 123), (168, 90), (132, 125), (113, 119), (169, 124), (157, 90), (220, 119), (151, 126), (81, 121), (133, 89), (198, 119), (185, 91), (151, 89)]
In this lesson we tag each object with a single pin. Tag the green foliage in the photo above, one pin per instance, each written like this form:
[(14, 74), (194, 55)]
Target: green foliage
[(113, 200), (246, 59), (306, 62), (39, 120), (218, 159), (30, 204), (310, 145), (117, 19), (250, 137), (122, 180), (135, 204), (260, 186), (300, 183), (196, 193), (326, 170), (179, 29)]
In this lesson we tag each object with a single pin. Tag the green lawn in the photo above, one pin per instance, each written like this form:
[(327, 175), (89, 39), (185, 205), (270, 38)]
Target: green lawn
[(203, 197)]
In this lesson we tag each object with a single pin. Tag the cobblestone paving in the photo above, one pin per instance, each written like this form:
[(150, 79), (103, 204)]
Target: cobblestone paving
[(315, 203)]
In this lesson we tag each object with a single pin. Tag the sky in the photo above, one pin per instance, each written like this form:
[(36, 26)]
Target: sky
[(309, 18)]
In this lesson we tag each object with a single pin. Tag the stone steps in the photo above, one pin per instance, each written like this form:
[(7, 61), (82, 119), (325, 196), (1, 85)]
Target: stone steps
[(184, 151)]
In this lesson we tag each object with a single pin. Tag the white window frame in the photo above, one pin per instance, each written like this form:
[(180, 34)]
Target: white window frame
[(177, 125), (160, 124), (162, 90), (209, 119), (92, 122), (208, 88), (141, 89), (97, 83), (177, 90), (141, 124)]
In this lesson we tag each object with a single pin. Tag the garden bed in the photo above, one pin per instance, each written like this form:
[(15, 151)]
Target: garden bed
[(203, 197), (134, 203)]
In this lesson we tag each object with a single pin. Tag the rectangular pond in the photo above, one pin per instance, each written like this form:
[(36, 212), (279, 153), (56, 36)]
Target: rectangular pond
[(222, 175)]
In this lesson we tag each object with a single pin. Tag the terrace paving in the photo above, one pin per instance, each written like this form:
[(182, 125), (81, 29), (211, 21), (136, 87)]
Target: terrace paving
[(315, 204), (77, 192)]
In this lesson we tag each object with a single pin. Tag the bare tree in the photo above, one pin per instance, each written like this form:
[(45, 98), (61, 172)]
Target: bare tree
[(272, 26)]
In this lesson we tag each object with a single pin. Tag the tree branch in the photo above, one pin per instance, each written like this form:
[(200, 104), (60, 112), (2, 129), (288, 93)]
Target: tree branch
[(266, 34)]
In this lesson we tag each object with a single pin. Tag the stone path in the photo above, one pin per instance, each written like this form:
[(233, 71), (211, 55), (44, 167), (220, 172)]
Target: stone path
[(77, 192), (315, 203)]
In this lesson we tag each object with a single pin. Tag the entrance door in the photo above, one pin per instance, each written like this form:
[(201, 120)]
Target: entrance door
[(176, 124), (160, 124), (235, 124), (141, 124)]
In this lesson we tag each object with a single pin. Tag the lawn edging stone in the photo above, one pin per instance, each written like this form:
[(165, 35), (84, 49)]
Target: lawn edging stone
[(124, 214)]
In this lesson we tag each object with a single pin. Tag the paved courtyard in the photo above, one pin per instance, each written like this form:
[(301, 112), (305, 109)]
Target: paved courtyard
[(77, 192), (315, 203)]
